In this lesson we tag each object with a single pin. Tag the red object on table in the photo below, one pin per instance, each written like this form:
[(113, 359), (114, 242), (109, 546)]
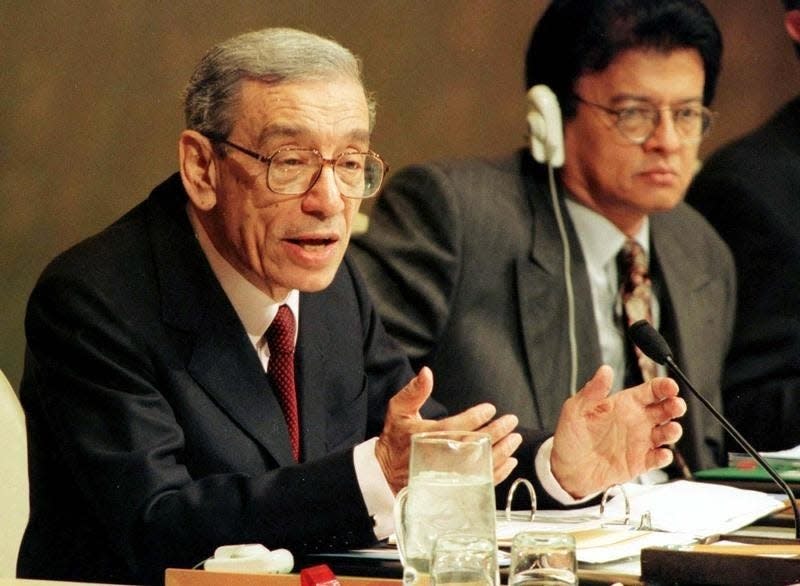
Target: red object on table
[(320, 575)]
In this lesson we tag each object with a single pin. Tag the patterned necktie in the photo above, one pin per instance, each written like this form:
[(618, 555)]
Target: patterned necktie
[(636, 293), (280, 370)]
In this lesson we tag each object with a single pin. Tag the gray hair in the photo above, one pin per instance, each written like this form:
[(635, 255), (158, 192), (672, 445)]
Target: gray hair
[(272, 55)]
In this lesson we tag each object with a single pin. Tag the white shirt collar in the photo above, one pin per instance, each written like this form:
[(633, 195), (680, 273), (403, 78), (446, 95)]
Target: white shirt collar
[(600, 242), (600, 239), (255, 309)]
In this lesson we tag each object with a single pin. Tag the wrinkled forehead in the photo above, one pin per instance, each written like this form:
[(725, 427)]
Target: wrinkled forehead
[(331, 109)]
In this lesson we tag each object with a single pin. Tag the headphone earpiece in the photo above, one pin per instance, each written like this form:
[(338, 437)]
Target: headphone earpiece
[(547, 147), (544, 125)]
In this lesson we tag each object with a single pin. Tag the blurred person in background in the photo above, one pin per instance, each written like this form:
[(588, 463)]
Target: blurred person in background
[(750, 192), (466, 259)]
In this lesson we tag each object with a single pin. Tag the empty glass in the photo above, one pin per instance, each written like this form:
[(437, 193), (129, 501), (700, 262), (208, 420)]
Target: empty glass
[(463, 559), (543, 559)]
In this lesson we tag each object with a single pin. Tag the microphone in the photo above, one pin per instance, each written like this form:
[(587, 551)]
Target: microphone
[(656, 348)]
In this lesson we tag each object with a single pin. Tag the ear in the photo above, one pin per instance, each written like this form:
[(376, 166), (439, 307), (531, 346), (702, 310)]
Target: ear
[(198, 169), (791, 21)]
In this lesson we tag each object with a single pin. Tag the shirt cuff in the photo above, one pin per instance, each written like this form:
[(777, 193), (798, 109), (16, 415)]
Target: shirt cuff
[(545, 475), (377, 493)]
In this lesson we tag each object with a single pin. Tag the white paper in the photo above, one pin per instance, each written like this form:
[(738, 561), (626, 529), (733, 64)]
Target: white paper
[(790, 454), (680, 512), (696, 508), (626, 544)]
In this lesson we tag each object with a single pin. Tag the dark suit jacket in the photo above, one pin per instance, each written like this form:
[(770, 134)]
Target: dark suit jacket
[(154, 435), (464, 263), (750, 192)]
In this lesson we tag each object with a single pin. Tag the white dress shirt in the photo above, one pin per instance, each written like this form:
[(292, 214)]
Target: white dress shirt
[(601, 242)]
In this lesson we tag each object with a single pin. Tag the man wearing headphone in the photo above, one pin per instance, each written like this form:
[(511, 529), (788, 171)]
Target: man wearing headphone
[(514, 300)]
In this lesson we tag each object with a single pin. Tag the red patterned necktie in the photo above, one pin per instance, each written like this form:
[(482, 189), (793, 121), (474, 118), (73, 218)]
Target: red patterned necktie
[(280, 370), (637, 296)]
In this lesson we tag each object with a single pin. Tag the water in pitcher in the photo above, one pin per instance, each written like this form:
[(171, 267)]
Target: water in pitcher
[(440, 503)]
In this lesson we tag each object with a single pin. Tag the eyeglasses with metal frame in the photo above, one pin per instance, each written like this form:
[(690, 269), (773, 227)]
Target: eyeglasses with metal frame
[(638, 123), (295, 171)]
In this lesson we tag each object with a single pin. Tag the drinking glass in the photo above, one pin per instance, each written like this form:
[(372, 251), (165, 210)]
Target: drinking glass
[(450, 491), (543, 559), (464, 559)]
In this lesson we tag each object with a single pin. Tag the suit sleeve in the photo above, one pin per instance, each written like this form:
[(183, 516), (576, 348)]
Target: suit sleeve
[(411, 257), (385, 363)]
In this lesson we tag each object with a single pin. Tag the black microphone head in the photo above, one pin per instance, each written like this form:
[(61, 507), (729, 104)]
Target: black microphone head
[(650, 341)]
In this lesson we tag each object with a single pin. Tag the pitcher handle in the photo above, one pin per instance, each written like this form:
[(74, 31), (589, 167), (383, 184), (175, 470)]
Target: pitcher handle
[(409, 573)]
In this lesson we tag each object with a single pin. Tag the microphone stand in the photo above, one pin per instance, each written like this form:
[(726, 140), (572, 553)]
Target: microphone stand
[(742, 442), (653, 345)]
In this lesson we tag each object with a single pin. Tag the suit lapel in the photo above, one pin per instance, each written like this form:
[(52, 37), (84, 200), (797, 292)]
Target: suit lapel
[(543, 310), (220, 357), (313, 337), (226, 366), (694, 300), (686, 282)]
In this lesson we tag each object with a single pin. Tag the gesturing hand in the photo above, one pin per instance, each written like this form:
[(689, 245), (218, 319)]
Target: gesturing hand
[(403, 419), (601, 440)]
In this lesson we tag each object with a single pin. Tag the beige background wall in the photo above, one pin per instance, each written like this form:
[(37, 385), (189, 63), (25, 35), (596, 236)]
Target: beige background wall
[(90, 112)]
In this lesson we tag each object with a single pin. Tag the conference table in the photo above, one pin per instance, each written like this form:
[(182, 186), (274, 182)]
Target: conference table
[(699, 564), (664, 565), (712, 568)]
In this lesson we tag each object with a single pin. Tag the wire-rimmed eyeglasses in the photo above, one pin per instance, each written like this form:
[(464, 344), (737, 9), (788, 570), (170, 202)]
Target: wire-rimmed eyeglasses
[(638, 123), (294, 171)]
